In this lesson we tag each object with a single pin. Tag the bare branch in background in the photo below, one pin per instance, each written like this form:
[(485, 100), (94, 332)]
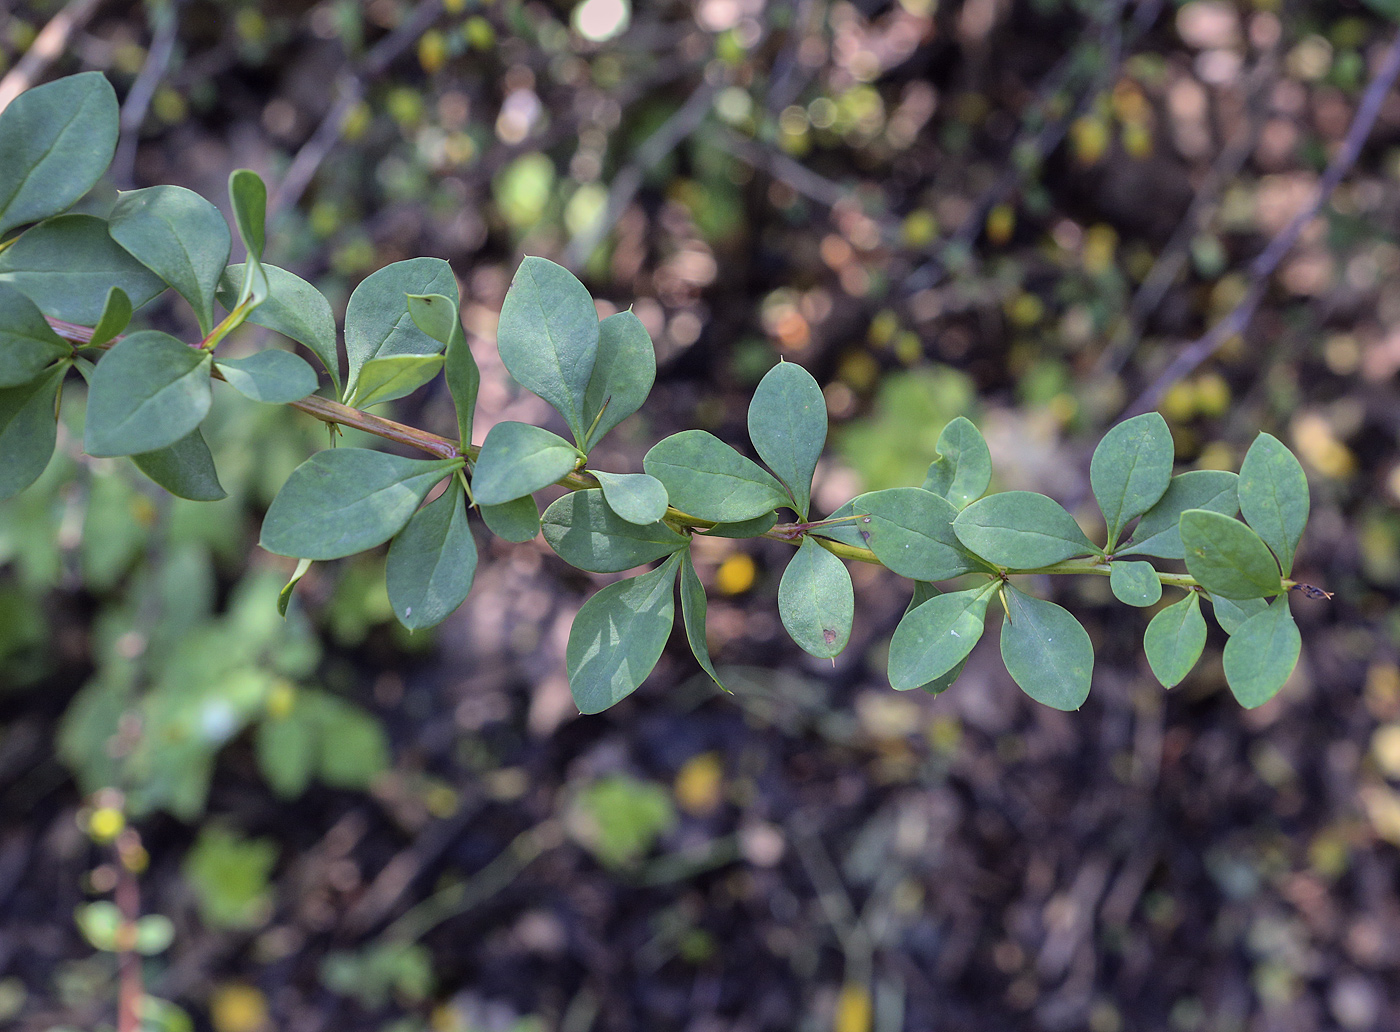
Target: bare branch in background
[(50, 42), (166, 19)]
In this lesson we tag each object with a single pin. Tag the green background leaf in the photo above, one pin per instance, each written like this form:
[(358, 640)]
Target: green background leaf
[(1159, 531), (271, 376), (622, 376), (710, 480), (377, 321), (1021, 530), (787, 424), (517, 459), (1131, 469), (1047, 651), (185, 469), (1174, 640), (1262, 653), (149, 391), (432, 561), (1226, 557), (816, 600), (963, 470), (1274, 497), (586, 533)]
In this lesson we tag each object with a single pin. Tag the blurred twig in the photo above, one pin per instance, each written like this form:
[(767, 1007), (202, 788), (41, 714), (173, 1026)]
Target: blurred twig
[(165, 18), (46, 46), (1268, 260)]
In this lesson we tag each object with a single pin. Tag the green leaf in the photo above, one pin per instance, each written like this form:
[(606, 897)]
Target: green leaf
[(271, 376), (622, 375), (787, 424), (28, 345), (59, 138), (180, 237), (1174, 640), (618, 636), (293, 308), (247, 195), (284, 599), (115, 317), (910, 530), (1131, 469), (1047, 651), (1159, 532), (1135, 584), (1231, 613), (67, 265), (345, 500), (636, 497), (377, 320), (1274, 497), (587, 534), (935, 636), (517, 521), (432, 561), (693, 609), (963, 470), (1262, 653), (756, 527), (437, 316), (1226, 557), (185, 468), (816, 600), (385, 379), (1021, 530), (28, 431), (710, 480), (548, 338), (149, 391), (923, 592), (517, 459)]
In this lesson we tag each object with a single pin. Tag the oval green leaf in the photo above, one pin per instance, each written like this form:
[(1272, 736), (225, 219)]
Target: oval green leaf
[(636, 497), (185, 469), (622, 375), (1159, 531), (517, 459), (1047, 651), (910, 530), (377, 320), (1021, 530), (588, 534), (1262, 653), (963, 470), (437, 316), (180, 237), (345, 500), (397, 376), (1231, 613), (432, 561), (517, 521), (1136, 584), (28, 431), (1131, 469), (271, 376), (1174, 640), (816, 600), (1226, 557), (618, 636), (787, 424), (706, 478), (693, 610), (1274, 497), (116, 315), (935, 636), (293, 308), (28, 345), (149, 391)]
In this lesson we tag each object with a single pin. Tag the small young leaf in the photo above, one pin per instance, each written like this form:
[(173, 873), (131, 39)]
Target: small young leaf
[(910, 530), (1226, 557), (1274, 497), (1021, 530), (432, 561), (622, 375), (693, 609), (271, 376), (548, 338), (517, 459), (935, 636), (397, 376), (1159, 531), (247, 195), (293, 308), (586, 533), (1135, 584), (437, 316), (377, 320), (816, 601), (67, 265), (284, 599), (1047, 651), (185, 469), (1262, 653), (1131, 469), (787, 424), (345, 500), (710, 480), (149, 391), (517, 521), (1174, 640), (28, 345), (636, 497), (756, 527), (116, 315), (1231, 613), (963, 470), (617, 637), (180, 237), (28, 431), (60, 138)]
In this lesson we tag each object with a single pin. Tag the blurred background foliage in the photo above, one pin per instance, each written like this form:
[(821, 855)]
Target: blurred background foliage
[(1014, 210)]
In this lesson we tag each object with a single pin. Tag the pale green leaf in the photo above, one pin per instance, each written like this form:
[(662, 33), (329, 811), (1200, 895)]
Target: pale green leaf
[(1136, 584), (397, 376), (588, 534), (1226, 557), (1274, 497), (1174, 640), (1046, 650), (706, 478), (517, 459), (271, 376), (1159, 531), (816, 600), (1021, 530), (432, 561), (149, 391), (636, 497), (378, 323), (1262, 653), (1131, 469), (963, 470), (935, 636), (622, 375), (787, 424)]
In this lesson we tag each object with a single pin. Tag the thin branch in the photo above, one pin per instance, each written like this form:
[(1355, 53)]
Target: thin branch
[(1269, 259), (50, 42), (138, 101)]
